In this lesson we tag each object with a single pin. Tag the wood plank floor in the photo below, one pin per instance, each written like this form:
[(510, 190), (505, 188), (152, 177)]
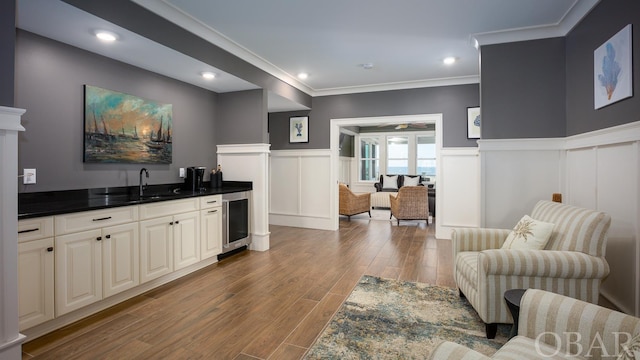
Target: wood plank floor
[(256, 305)]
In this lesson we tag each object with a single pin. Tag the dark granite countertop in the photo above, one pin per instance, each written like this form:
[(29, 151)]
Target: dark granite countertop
[(38, 204)]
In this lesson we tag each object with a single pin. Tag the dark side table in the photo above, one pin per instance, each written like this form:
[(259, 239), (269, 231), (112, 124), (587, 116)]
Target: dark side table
[(513, 297)]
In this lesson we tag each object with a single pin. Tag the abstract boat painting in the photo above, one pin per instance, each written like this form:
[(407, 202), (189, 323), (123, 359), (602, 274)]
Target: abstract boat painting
[(122, 128), (612, 69)]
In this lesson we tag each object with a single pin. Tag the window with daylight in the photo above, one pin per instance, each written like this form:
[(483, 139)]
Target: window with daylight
[(369, 158), (397, 155), (426, 155)]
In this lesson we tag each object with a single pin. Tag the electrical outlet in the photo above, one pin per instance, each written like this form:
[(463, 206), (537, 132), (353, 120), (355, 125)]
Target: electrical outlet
[(181, 172), (29, 176)]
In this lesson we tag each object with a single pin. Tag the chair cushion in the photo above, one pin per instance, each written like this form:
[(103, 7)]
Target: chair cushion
[(390, 182), (528, 234)]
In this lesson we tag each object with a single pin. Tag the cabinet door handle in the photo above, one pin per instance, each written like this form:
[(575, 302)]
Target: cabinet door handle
[(177, 221), (212, 211), (104, 218), (28, 230), (99, 238), (108, 236), (50, 249), (212, 202), (171, 223)]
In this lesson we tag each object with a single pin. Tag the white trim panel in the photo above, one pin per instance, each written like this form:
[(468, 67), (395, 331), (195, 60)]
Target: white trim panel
[(300, 189), (459, 183)]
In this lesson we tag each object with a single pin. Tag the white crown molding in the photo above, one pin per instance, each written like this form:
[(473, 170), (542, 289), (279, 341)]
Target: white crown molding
[(462, 80), (576, 13)]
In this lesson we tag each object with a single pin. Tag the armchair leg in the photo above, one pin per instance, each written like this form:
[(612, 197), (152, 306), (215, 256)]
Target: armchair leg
[(369, 212), (348, 217), (461, 294), (398, 222), (491, 329)]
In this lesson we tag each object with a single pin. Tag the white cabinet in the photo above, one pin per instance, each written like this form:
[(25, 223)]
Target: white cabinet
[(210, 226), (36, 284), (170, 233), (120, 258), (186, 239), (156, 248), (93, 264)]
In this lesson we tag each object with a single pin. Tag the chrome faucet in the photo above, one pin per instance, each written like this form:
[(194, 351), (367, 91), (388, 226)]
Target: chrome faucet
[(143, 170)]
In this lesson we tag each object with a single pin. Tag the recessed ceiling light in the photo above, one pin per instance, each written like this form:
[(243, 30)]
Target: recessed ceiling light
[(303, 76), (106, 36), (449, 60), (208, 75)]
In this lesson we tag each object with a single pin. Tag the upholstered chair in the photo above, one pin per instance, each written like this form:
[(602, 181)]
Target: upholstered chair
[(552, 326), (571, 263), (352, 204), (411, 203)]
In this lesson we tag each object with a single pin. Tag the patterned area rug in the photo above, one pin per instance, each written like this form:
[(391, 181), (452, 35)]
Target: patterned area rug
[(388, 319)]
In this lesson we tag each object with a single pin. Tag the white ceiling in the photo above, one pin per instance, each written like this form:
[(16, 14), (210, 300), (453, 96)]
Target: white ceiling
[(405, 40)]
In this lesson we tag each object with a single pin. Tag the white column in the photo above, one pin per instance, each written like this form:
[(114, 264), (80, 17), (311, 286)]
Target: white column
[(10, 337), (250, 162)]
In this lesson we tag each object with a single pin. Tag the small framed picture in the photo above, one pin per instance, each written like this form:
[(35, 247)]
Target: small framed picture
[(473, 122), (299, 129)]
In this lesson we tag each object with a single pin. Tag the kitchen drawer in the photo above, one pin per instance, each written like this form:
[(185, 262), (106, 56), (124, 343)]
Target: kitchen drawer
[(75, 222), (164, 208), (207, 202), (33, 229)]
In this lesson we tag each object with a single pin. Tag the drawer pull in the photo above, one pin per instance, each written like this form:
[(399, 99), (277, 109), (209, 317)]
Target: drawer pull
[(104, 218), (213, 211), (99, 238), (212, 202), (50, 249), (28, 231)]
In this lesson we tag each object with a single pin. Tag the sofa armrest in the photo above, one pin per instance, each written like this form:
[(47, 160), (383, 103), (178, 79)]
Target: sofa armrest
[(378, 186), (448, 350), (474, 239), (551, 318), (542, 263)]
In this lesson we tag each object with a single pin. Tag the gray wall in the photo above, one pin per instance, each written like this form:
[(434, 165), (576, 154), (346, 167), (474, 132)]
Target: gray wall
[(49, 84), (242, 118), (523, 89), (451, 101), (604, 21), (7, 51)]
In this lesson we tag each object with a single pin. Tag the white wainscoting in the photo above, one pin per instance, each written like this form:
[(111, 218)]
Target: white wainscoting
[(457, 190), (516, 174), (344, 169), (250, 162), (603, 173), (300, 195), (598, 170)]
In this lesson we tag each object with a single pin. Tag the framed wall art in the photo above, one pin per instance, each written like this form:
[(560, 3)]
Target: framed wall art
[(473, 122), (122, 128), (299, 129), (613, 70)]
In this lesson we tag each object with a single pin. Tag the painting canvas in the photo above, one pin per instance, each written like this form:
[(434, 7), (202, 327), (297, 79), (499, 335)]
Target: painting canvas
[(299, 129), (122, 128), (473, 123), (612, 69)]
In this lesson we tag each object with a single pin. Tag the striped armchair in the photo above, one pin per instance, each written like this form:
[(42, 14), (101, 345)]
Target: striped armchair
[(552, 326), (571, 264)]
